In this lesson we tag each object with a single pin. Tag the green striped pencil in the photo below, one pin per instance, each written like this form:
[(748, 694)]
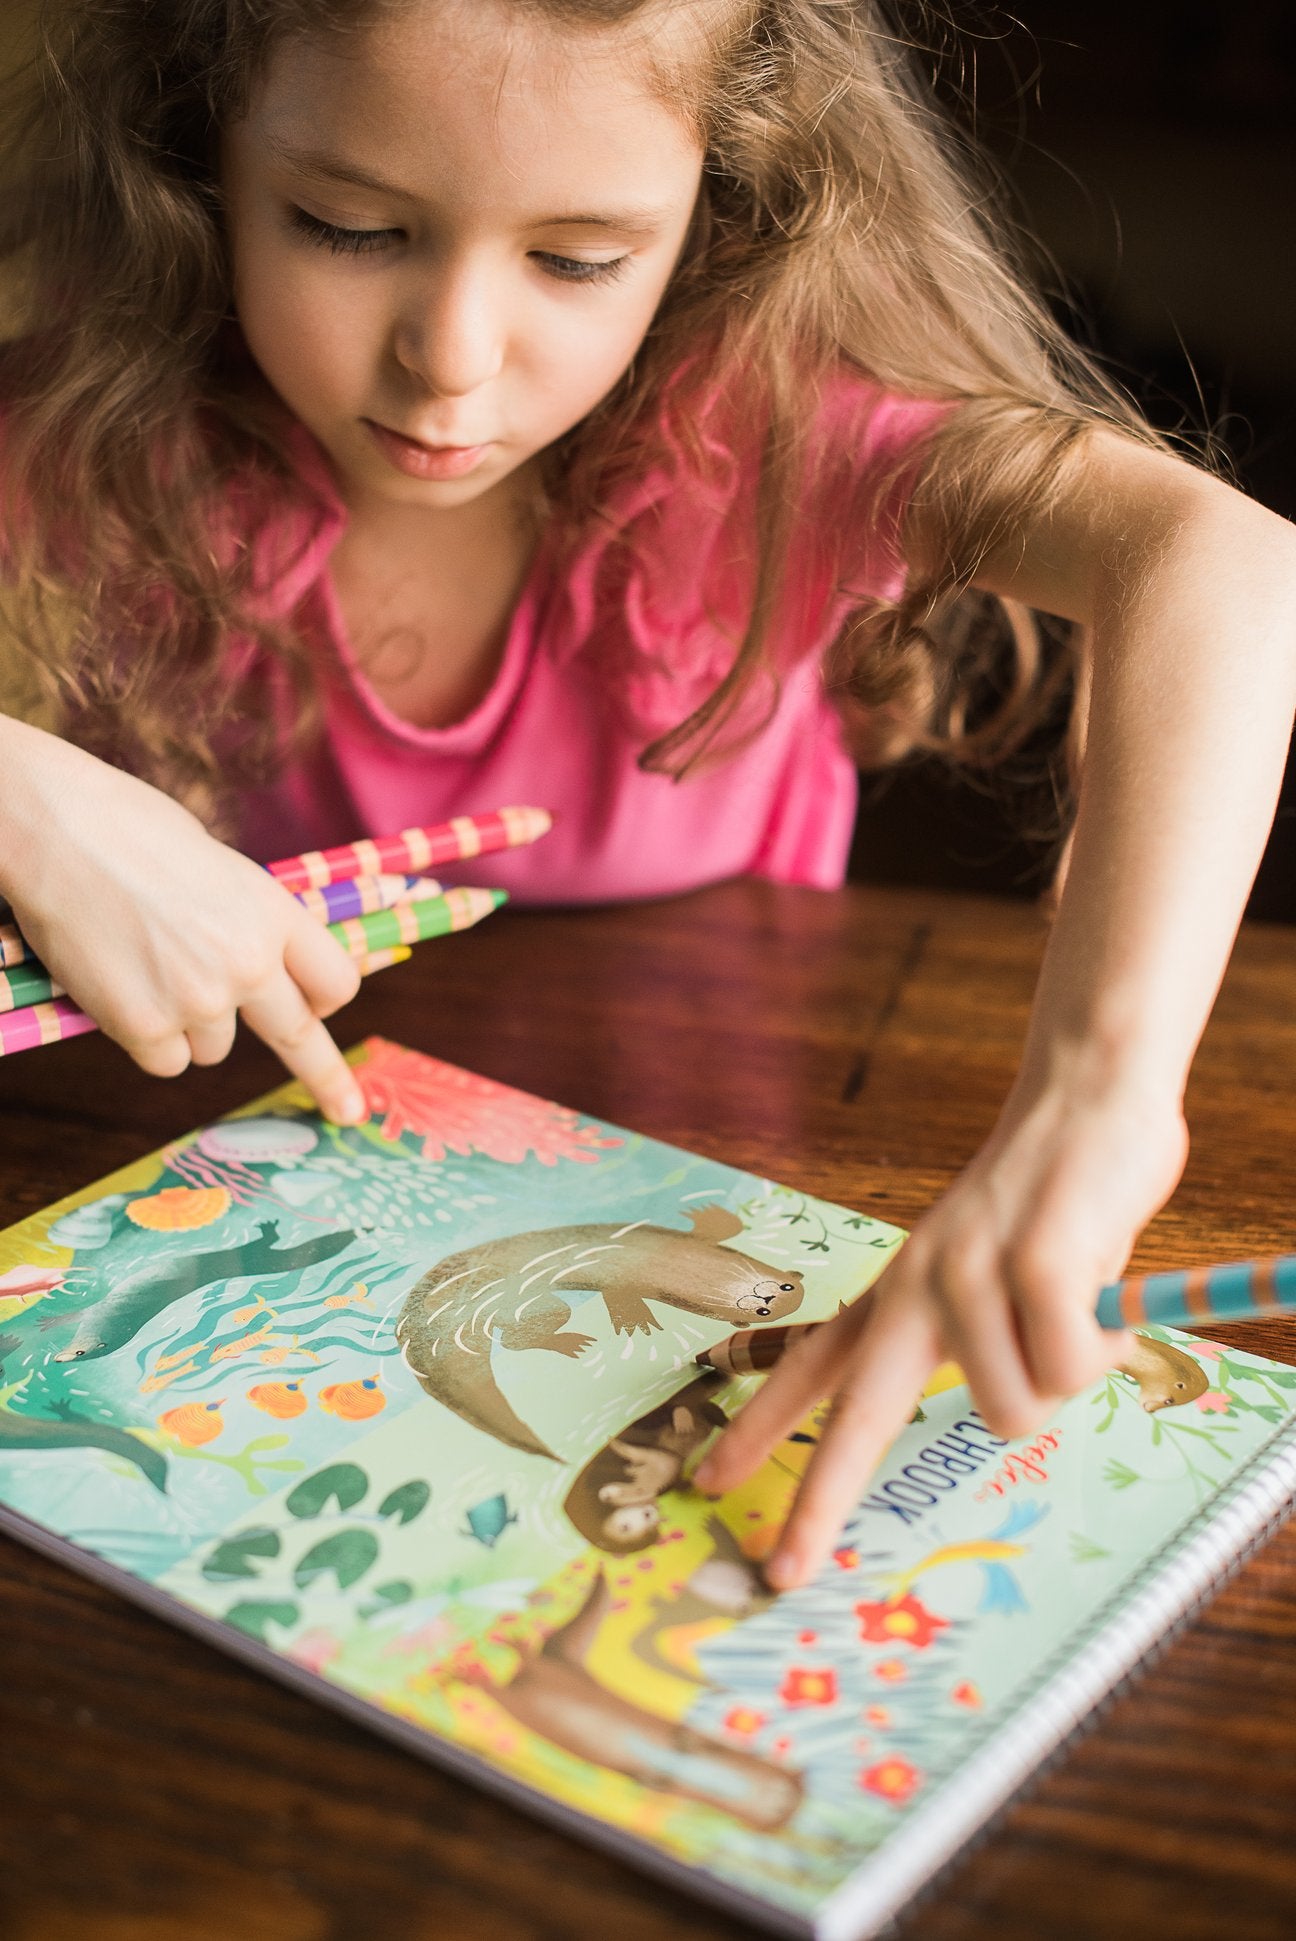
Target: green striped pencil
[(410, 923)]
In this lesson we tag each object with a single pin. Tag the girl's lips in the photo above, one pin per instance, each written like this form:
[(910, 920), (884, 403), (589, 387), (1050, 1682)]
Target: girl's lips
[(419, 461)]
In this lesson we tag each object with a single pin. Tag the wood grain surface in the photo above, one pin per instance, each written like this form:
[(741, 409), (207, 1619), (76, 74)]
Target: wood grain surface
[(855, 1046)]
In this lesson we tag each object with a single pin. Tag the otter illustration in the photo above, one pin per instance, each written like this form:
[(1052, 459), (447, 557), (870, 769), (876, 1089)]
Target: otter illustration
[(130, 1303), (555, 1695), (726, 1584), (511, 1290), (1166, 1376), (69, 1430), (613, 1501)]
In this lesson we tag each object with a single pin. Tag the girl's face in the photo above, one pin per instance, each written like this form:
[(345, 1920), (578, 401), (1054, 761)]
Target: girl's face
[(450, 232)]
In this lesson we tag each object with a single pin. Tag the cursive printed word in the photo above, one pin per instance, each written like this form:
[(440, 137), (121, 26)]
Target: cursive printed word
[(1022, 1465), (938, 1467)]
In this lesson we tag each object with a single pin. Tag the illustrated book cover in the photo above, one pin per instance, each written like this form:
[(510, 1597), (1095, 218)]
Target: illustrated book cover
[(405, 1414)]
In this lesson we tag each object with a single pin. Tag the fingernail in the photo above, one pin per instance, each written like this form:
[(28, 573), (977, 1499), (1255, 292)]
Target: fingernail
[(348, 1108), (703, 1476), (782, 1570)]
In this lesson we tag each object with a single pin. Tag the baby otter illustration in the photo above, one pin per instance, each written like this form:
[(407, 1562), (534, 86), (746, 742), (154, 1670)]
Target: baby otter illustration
[(510, 1290), (613, 1500)]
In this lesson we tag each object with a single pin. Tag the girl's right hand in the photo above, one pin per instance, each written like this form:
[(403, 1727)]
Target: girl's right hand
[(162, 934)]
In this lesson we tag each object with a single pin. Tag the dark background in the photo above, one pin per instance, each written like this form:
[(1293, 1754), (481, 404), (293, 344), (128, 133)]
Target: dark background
[(1151, 148)]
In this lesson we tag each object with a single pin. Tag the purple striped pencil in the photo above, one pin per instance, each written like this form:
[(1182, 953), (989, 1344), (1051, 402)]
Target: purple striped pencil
[(359, 896)]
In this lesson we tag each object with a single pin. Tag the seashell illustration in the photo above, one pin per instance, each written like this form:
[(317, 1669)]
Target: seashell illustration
[(179, 1209), (254, 1141), (303, 1184), (87, 1226)]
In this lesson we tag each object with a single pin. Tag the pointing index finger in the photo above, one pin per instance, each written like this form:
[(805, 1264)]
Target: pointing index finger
[(282, 1018), (896, 1352)]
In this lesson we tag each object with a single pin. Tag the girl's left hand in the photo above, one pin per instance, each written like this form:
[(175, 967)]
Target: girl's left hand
[(1001, 1276)]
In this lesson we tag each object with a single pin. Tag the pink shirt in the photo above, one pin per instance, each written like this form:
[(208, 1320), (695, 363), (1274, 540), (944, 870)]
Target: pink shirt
[(598, 659)]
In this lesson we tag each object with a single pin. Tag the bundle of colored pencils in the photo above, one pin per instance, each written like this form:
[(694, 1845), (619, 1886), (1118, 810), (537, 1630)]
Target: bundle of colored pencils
[(372, 895)]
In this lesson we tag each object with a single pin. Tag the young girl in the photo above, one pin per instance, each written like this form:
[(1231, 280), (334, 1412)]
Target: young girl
[(424, 404)]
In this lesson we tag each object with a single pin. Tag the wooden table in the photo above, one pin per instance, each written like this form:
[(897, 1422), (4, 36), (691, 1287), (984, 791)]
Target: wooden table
[(854, 1046)]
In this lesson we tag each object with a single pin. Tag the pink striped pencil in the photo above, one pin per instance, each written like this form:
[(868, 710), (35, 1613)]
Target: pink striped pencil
[(42, 1024), (414, 850)]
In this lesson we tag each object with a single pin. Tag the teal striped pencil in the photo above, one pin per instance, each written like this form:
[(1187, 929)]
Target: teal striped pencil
[(1191, 1296), (28, 983)]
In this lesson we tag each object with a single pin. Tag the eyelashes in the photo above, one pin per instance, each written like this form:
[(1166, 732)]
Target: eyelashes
[(341, 242), (366, 242)]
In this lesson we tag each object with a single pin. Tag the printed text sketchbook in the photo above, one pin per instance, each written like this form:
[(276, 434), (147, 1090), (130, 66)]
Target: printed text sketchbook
[(405, 1414)]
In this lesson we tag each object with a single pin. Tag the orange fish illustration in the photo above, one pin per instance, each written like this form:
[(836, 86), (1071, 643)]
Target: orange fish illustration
[(353, 1401), (359, 1293), (272, 1357), (156, 1381), (244, 1342), (172, 1360), (282, 1399), (194, 1422), (246, 1313)]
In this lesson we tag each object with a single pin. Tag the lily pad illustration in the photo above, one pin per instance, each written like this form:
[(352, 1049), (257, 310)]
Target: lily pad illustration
[(344, 1482), (234, 1557), (406, 1502), (253, 1617), (346, 1556), (387, 1596)]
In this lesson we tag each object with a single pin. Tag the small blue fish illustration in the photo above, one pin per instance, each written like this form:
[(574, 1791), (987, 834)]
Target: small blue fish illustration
[(488, 1520)]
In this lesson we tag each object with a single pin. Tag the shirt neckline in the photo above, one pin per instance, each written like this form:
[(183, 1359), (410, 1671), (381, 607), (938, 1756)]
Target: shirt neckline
[(473, 731)]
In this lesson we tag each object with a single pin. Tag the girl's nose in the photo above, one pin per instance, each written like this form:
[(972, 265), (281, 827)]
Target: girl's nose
[(450, 335)]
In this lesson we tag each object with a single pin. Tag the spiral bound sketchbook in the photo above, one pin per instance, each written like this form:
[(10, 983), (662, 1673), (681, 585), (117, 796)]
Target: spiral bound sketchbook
[(404, 1414)]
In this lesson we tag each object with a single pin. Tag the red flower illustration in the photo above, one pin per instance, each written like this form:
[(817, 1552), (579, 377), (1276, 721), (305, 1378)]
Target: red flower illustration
[(743, 1721), (453, 1111), (877, 1716), (802, 1686), (902, 1620), (967, 1694), (846, 1558), (892, 1670), (893, 1778), (1215, 1402)]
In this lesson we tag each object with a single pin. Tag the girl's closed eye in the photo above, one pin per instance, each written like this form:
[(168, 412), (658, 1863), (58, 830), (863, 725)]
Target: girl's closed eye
[(342, 242), (365, 241), (574, 269)]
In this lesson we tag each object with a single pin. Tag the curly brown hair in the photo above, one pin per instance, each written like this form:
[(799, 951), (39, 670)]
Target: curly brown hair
[(840, 224)]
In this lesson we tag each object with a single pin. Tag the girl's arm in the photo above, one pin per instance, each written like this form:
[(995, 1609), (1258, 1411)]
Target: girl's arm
[(1189, 591), (160, 933)]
